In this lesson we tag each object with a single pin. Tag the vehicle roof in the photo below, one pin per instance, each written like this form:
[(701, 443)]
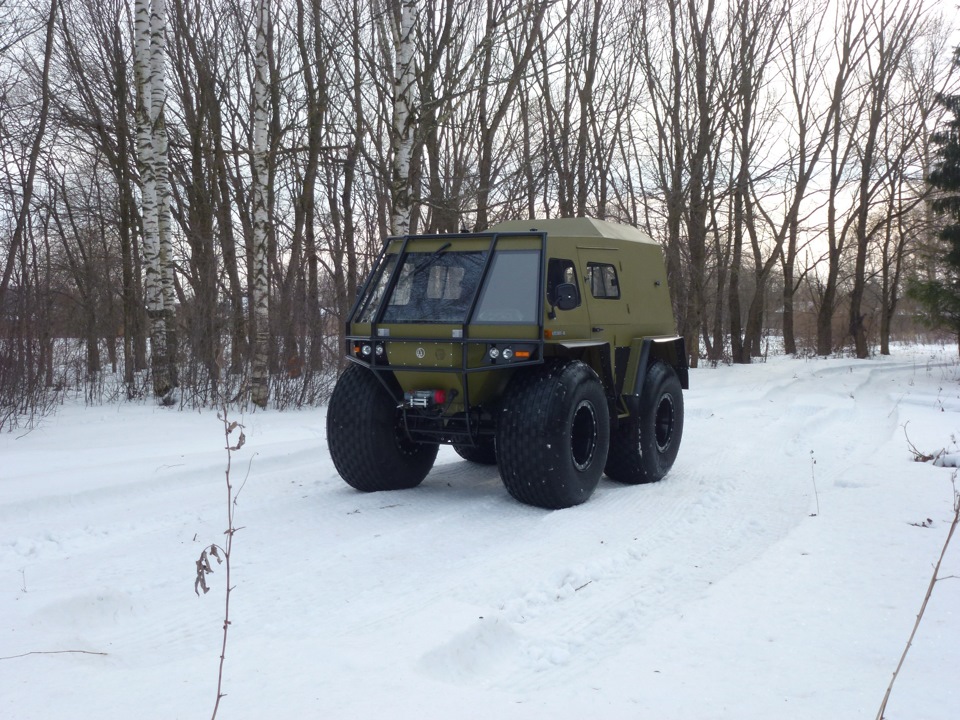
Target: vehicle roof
[(582, 227)]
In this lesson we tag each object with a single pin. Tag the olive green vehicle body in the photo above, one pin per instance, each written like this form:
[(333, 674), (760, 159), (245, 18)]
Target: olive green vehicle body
[(457, 340)]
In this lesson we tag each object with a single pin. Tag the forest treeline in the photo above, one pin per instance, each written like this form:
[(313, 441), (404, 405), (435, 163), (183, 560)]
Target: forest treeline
[(777, 149)]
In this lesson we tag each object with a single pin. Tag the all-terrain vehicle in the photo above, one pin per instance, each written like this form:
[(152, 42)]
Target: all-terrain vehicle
[(546, 347)]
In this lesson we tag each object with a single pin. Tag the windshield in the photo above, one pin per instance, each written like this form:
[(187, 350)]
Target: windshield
[(440, 287), (435, 287)]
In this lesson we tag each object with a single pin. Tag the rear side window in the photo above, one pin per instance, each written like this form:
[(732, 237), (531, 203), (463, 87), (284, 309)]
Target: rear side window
[(603, 282)]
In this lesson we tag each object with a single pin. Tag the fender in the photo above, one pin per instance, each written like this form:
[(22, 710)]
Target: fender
[(670, 350)]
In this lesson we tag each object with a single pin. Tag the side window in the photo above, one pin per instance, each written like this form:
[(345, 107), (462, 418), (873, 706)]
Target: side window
[(603, 282), (560, 270), (508, 295), (370, 305)]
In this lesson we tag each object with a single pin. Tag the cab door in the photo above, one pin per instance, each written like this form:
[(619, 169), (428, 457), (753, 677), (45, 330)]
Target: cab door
[(602, 274), (602, 288), (565, 325)]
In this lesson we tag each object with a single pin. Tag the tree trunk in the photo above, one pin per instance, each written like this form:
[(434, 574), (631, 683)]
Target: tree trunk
[(401, 129), (146, 156), (260, 373)]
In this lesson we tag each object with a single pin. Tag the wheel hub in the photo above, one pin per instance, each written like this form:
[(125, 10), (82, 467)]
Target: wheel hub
[(663, 422), (583, 435)]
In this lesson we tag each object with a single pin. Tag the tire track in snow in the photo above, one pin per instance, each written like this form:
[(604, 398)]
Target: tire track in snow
[(720, 514), (558, 591)]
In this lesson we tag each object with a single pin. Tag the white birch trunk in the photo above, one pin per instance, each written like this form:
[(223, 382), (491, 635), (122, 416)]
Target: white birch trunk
[(402, 125), (146, 154), (260, 377), (158, 103)]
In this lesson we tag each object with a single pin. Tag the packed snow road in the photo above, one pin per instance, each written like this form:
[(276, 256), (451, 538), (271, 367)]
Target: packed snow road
[(776, 571)]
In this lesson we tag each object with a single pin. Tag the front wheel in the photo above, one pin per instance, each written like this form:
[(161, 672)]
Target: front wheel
[(365, 438), (643, 449), (553, 434)]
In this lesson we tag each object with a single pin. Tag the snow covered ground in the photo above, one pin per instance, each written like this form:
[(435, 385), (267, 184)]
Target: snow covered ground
[(721, 592)]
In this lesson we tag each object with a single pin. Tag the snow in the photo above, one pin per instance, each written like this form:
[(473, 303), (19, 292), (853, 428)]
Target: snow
[(720, 592)]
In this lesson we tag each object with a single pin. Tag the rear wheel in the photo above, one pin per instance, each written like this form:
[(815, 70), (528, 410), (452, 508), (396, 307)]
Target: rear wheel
[(365, 438), (643, 449), (484, 452), (553, 435)]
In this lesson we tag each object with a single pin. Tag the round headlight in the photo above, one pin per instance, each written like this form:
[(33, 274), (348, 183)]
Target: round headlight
[(379, 350), (494, 353), (507, 353), (366, 350)]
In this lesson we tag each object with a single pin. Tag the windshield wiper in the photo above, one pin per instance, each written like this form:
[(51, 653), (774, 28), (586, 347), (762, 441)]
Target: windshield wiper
[(437, 253)]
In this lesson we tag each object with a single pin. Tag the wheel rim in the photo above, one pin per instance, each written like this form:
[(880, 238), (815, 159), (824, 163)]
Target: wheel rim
[(583, 435), (663, 422)]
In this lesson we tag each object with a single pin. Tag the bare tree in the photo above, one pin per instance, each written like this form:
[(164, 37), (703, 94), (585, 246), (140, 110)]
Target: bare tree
[(93, 107), (803, 70), (30, 169), (660, 54), (754, 40), (894, 29), (850, 46), (499, 81), (905, 151), (703, 142)]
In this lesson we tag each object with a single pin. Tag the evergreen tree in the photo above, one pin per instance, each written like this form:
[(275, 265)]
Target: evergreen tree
[(941, 296)]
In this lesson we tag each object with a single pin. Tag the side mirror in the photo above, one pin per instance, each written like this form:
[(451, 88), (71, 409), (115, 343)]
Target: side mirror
[(566, 294)]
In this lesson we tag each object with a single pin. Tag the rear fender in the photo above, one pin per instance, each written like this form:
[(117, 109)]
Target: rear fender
[(643, 353), (596, 354)]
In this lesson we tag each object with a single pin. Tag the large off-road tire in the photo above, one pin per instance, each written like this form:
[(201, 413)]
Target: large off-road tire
[(643, 449), (484, 453), (366, 441), (553, 434)]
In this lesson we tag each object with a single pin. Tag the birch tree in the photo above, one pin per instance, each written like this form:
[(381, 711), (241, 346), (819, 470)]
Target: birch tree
[(150, 57), (402, 125), (260, 375)]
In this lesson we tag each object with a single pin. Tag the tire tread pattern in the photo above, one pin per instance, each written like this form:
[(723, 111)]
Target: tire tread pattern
[(485, 453), (633, 457), (533, 442), (363, 437)]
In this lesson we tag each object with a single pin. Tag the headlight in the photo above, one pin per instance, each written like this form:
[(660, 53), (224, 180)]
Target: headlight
[(493, 353)]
